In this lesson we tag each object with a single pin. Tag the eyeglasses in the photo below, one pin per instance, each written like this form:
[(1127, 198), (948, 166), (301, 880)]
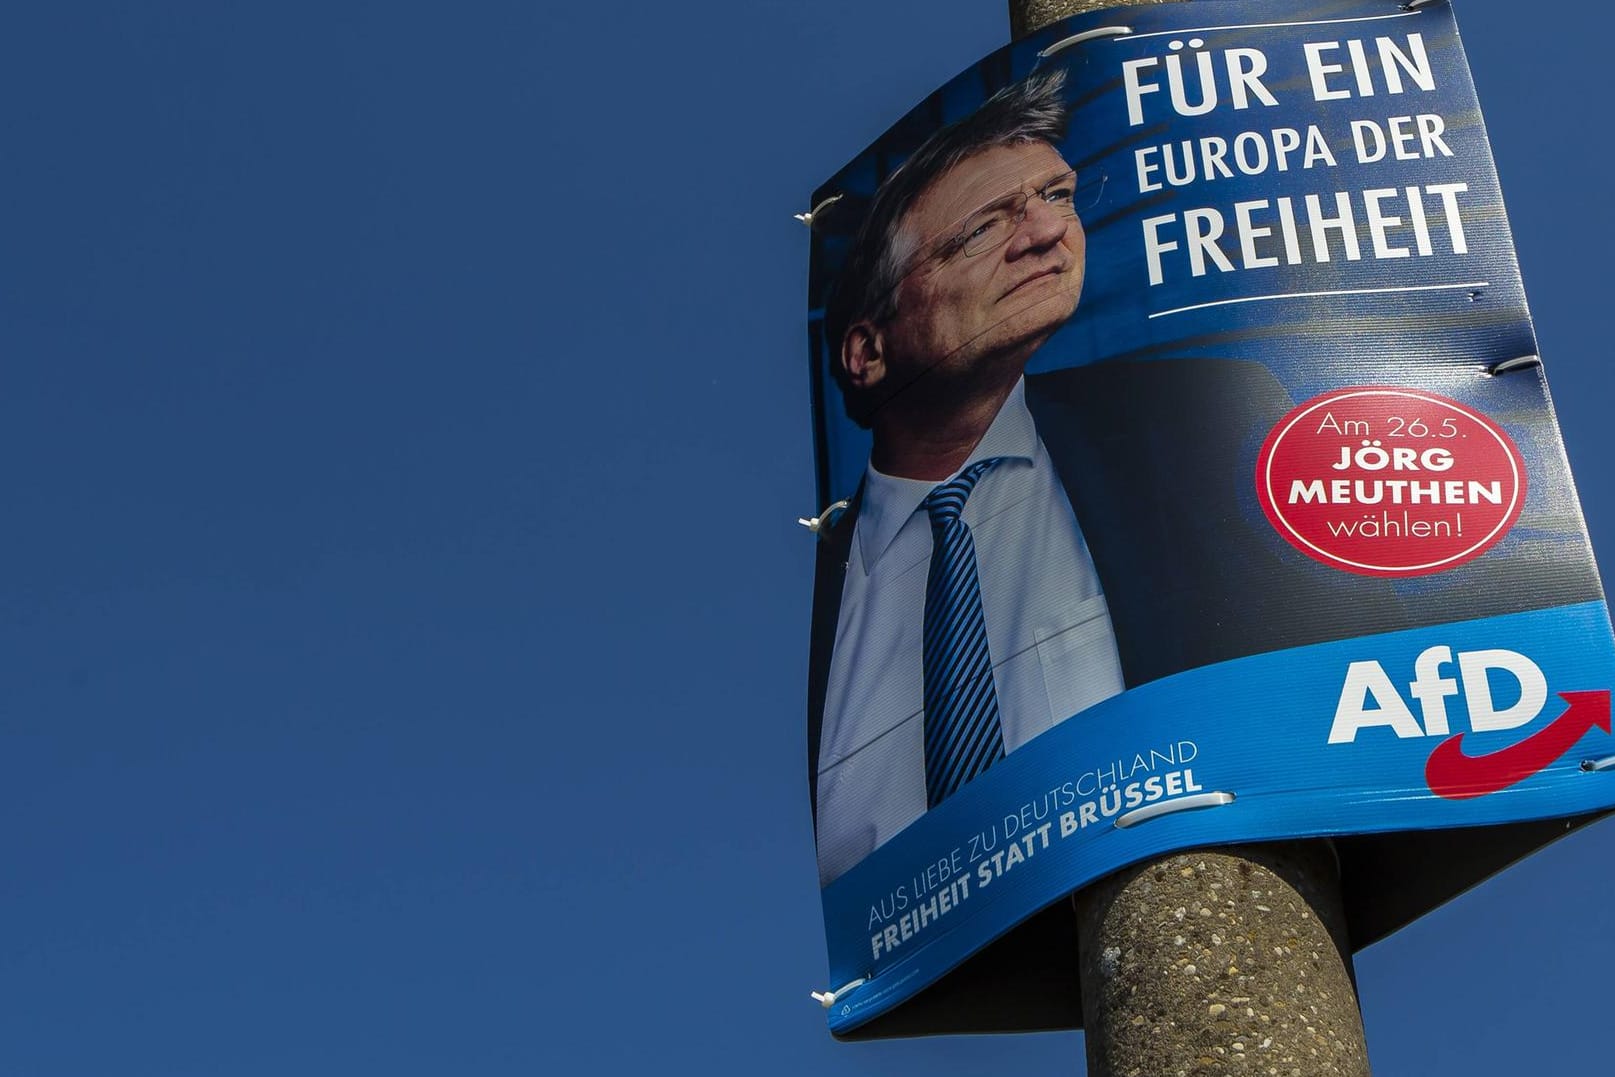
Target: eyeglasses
[(992, 225)]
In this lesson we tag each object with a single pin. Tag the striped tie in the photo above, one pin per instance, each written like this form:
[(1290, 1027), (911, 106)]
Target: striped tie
[(962, 734)]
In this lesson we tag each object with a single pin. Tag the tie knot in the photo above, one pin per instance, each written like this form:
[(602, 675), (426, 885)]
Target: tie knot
[(947, 501)]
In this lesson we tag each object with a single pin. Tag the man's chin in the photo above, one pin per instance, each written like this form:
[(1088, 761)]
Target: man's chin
[(1028, 327)]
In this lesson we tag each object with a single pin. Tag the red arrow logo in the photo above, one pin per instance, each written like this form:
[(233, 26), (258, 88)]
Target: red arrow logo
[(1456, 776)]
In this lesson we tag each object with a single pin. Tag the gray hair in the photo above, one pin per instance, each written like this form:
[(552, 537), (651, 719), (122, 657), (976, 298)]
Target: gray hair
[(1032, 110)]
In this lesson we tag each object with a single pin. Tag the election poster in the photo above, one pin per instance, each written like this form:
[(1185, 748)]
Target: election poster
[(1189, 476)]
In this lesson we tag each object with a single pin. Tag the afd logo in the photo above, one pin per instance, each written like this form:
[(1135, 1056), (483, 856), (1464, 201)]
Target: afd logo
[(1370, 699)]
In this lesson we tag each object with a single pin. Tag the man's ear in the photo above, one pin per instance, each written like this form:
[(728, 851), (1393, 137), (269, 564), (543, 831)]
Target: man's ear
[(863, 354)]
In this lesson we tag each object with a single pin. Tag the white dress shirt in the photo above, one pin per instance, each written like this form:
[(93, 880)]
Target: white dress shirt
[(1053, 649)]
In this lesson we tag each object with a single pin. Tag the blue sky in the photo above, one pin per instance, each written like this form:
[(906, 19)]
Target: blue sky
[(405, 418)]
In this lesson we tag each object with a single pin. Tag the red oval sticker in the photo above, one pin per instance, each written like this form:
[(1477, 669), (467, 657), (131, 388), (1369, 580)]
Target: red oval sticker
[(1389, 482)]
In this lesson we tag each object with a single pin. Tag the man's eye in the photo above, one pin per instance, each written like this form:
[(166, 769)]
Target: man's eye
[(985, 225), (1059, 196)]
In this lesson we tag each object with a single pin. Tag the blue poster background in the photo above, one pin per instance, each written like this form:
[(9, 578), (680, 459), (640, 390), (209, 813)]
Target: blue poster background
[(1242, 745)]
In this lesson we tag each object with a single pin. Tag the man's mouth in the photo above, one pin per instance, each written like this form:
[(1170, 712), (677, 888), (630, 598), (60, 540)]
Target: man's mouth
[(1034, 278)]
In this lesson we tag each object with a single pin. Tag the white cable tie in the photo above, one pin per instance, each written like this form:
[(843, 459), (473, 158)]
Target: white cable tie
[(1591, 765), (807, 218), (1167, 807), (828, 517), (828, 998), (1086, 35), (1511, 364), (1414, 5)]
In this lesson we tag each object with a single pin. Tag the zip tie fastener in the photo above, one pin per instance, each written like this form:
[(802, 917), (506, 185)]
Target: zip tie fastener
[(827, 518), (828, 998), (807, 218), (1511, 364), (1086, 35), (1167, 807)]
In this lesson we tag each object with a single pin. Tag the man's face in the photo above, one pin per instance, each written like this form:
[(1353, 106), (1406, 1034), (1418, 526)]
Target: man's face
[(955, 313)]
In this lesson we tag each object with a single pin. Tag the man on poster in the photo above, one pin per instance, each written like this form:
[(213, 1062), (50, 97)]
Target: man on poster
[(1021, 548), (971, 257)]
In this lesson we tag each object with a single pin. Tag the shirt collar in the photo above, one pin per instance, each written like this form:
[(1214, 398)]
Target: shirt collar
[(889, 500)]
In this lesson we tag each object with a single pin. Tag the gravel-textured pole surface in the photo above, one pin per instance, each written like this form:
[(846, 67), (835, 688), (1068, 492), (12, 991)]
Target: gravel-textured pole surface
[(1232, 960)]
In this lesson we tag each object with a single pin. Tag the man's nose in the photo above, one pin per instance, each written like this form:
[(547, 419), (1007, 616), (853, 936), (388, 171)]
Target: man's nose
[(1041, 228)]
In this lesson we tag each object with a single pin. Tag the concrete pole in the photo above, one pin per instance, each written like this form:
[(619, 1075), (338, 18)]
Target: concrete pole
[(1233, 960)]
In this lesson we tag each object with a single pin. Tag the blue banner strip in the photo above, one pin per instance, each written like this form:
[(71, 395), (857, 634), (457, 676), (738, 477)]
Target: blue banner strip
[(1329, 739)]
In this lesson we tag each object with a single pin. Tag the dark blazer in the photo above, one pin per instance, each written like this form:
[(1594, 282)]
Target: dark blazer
[(1158, 459)]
